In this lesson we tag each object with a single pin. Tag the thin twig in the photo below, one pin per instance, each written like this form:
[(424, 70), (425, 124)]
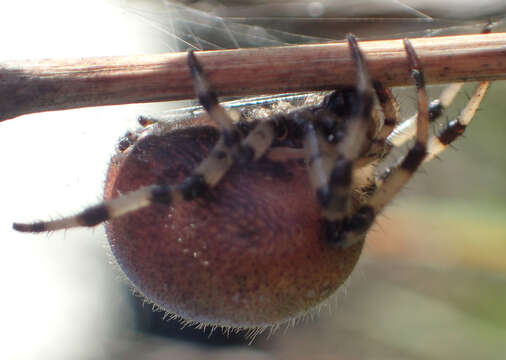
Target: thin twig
[(41, 85)]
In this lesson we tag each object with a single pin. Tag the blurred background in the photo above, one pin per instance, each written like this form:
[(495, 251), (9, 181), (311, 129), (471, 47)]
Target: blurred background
[(431, 283)]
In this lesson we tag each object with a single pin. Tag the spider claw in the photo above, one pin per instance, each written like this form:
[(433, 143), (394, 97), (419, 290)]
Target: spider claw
[(36, 227), (193, 63)]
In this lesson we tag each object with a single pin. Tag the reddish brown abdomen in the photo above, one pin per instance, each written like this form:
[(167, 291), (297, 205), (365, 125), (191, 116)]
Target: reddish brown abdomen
[(248, 255)]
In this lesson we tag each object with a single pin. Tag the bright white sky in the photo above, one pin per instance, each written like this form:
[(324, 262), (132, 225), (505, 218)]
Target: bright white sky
[(60, 298)]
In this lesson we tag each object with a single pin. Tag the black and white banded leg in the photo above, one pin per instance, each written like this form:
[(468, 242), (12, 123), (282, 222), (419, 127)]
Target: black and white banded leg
[(207, 174), (380, 146), (355, 227), (406, 130), (455, 128), (331, 165)]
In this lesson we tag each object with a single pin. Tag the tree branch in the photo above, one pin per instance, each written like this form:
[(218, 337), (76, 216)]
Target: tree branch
[(53, 84)]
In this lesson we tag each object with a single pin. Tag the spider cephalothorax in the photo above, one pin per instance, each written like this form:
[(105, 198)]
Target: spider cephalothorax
[(254, 222)]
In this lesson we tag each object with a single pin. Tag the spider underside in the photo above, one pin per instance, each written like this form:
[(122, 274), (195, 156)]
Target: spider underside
[(342, 140)]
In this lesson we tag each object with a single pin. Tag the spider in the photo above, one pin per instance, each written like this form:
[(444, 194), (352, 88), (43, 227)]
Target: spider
[(251, 223)]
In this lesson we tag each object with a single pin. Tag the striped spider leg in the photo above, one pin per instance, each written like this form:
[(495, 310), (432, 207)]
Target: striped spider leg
[(229, 148), (333, 135), (358, 223), (406, 130), (387, 184), (338, 138)]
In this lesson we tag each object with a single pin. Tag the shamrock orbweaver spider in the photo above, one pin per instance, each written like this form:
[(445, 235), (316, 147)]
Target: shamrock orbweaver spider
[(251, 223)]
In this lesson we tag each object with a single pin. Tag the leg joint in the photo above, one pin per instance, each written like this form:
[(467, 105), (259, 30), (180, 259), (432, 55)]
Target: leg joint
[(193, 187), (414, 157), (94, 215), (452, 131)]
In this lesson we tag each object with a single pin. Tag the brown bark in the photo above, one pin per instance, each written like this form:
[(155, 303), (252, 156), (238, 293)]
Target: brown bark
[(52, 84)]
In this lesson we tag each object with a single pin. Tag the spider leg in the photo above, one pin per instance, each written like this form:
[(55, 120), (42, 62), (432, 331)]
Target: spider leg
[(391, 110), (452, 131), (406, 130), (380, 146), (355, 227), (436, 144), (260, 139), (331, 166), (203, 178), (457, 127), (320, 158), (206, 175)]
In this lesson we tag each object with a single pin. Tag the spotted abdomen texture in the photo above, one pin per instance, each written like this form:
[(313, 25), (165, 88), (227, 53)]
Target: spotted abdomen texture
[(249, 254)]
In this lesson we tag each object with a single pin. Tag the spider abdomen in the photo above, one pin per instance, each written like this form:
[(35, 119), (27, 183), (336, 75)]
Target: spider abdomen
[(249, 254)]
